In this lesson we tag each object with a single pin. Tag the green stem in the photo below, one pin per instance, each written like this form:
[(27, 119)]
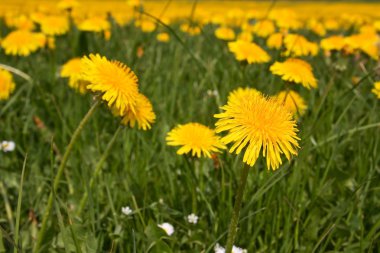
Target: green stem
[(74, 137), (235, 215), (98, 168)]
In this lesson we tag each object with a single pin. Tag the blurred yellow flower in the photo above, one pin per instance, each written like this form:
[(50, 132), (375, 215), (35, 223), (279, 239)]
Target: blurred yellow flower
[(21, 22), (190, 29), (146, 25), (72, 69), (134, 3), (376, 89), (245, 36), (275, 40), (365, 42), (298, 45), (113, 80), (143, 114), (225, 33), (163, 37), (195, 138), (22, 42), (334, 42), (295, 70), (94, 24), (67, 4), (7, 85), (54, 25), (248, 51), (264, 28), (256, 123), (293, 102)]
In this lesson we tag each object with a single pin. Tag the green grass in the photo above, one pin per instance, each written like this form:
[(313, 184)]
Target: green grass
[(324, 200)]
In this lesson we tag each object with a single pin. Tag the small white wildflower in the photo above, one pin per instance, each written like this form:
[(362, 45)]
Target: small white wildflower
[(169, 229), (192, 218), (220, 249), (161, 201), (126, 210), (7, 146), (212, 93)]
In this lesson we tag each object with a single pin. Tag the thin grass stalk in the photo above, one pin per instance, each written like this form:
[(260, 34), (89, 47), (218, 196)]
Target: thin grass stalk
[(235, 215), (57, 178)]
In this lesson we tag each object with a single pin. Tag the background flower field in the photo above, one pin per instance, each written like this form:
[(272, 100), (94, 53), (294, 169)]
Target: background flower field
[(325, 199)]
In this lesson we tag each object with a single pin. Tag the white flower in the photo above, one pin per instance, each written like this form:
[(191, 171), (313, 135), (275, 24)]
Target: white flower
[(192, 218), (126, 210), (7, 146), (220, 249), (169, 229)]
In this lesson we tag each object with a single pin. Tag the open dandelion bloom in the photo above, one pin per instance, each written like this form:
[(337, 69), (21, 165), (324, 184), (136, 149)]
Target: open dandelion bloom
[(264, 28), (225, 33), (195, 138), (293, 102), (256, 123), (298, 45), (54, 25), (376, 89), (275, 40), (248, 51), (7, 85), (73, 70), (22, 42), (295, 70), (115, 81), (245, 36), (94, 24), (143, 114), (335, 42), (163, 37)]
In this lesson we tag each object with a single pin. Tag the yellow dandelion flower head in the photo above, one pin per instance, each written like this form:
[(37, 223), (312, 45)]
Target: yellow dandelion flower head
[(21, 22), (286, 18), (293, 102), (195, 138), (54, 25), (94, 24), (335, 42), (331, 24), (295, 70), (365, 42), (256, 123), (225, 33), (115, 81), (248, 51), (316, 26), (298, 45), (72, 69), (245, 36), (376, 89), (163, 37), (264, 28), (275, 40), (146, 25), (22, 42), (143, 114), (7, 85), (190, 29), (240, 92)]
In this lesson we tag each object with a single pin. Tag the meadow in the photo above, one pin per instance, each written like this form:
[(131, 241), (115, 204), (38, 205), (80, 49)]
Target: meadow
[(122, 187)]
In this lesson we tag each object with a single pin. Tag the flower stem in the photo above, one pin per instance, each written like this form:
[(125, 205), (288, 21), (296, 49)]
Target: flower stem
[(57, 178), (98, 168), (235, 215)]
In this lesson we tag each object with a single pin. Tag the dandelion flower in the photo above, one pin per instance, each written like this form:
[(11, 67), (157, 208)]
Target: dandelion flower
[(245, 36), (7, 146), (248, 51), (7, 84), (335, 42), (73, 70), (264, 28), (295, 70), (275, 40), (190, 29), (22, 42), (146, 25), (115, 81), (192, 218), (94, 24), (126, 210), (143, 114), (220, 249), (167, 227), (54, 25), (298, 45), (225, 33), (293, 102), (376, 89), (195, 138), (163, 37), (256, 123)]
